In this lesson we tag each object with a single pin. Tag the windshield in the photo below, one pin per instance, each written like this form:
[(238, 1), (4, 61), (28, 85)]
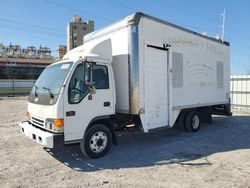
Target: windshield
[(49, 83)]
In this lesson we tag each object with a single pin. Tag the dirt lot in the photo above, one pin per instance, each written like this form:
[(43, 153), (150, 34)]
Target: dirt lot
[(217, 156)]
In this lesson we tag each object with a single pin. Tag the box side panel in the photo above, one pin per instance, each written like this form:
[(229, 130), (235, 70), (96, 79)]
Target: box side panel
[(196, 65)]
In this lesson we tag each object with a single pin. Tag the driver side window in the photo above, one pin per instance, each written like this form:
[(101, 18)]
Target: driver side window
[(77, 88)]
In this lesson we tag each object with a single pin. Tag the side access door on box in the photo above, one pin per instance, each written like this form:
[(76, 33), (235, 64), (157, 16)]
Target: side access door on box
[(156, 88)]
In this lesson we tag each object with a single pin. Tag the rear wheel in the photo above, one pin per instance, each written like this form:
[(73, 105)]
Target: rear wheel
[(97, 141), (192, 121)]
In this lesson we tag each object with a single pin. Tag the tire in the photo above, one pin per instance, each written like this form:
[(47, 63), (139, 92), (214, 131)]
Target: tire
[(192, 121), (96, 141)]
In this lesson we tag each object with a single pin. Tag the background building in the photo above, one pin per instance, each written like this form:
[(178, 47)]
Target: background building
[(23, 63), (76, 31), (61, 51), (28, 63)]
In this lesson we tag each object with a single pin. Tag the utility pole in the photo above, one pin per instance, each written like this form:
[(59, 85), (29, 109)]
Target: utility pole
[(223, 24)]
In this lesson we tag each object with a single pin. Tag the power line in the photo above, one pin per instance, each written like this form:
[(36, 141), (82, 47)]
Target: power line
[(29, 30), (236, 31), (240, 52), (242, 64), (240, 59), (240, 43), (191, 26), (30, 25), (178, 23), (29, 36), (188, 12), (123, 5), (77, 10), (128, 7)]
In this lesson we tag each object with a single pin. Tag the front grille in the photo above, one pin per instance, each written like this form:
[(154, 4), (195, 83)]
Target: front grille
[(37, 122)]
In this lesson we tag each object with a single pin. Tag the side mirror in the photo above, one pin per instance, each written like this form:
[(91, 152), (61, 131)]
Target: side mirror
[(88, 67), (92, 89), (88, 79)]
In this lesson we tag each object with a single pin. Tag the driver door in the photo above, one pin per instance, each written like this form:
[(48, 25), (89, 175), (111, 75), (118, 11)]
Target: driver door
[(80, 107)]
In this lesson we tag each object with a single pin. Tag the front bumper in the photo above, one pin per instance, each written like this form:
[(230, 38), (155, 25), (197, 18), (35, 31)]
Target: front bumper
[(40, 136)]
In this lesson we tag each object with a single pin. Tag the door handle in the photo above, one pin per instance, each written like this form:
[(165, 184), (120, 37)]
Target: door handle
[(106, 104), (70, 113)]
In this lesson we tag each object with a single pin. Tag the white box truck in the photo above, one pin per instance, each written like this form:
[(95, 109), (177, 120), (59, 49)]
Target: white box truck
[(142, 71)]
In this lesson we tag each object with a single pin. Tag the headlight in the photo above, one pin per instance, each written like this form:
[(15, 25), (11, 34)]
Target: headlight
[(48, 125)]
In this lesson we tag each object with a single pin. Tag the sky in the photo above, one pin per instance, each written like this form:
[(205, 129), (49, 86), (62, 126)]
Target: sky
[(44, 22)]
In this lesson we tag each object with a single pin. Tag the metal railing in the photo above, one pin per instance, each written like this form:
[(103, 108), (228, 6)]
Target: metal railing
[(15, 87), (240, 91)]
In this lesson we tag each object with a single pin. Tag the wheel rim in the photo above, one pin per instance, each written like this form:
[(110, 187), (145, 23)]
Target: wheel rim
[(98, 142), (195, 122)]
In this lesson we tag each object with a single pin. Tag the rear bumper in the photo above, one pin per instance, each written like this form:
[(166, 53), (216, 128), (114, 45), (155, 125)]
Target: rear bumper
[(42, 137)]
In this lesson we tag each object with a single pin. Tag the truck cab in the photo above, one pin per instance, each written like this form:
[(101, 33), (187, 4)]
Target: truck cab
[(75, 99)]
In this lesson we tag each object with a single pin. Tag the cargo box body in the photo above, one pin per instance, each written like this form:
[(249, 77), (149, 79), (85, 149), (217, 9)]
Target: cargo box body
[(161, 69)]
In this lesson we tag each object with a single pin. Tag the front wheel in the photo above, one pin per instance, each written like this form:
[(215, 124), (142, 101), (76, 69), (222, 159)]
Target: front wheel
[(97, 141), (192, 121)]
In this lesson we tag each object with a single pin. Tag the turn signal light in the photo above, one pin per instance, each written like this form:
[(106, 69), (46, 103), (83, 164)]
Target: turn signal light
[(58, 123), (27, 114)]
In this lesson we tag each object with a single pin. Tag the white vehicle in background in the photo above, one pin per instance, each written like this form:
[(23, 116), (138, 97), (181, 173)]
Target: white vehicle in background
[(141, 70)]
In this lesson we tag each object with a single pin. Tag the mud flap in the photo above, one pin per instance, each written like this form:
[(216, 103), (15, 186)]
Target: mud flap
[(222, 109)]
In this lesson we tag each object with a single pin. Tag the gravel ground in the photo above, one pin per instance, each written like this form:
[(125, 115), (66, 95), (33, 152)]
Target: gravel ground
[(216, 156)]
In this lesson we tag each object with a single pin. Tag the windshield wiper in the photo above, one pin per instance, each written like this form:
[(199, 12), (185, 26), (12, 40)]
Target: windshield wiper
[(35, 90), (50, 94)]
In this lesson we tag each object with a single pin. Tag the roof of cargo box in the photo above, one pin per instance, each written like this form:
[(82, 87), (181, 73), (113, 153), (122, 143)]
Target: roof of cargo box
[(135, 19)]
